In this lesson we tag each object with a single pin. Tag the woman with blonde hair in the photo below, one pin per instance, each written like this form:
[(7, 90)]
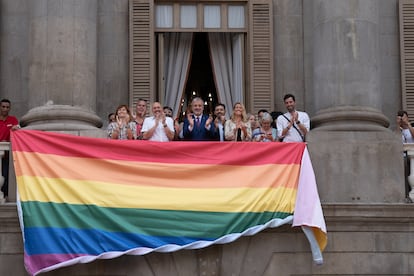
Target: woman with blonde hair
[(238, 127), (253, 121), (123, 128)]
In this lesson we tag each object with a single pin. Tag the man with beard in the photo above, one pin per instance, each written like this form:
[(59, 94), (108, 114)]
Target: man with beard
[(158, 127), (220, 120), (168, 111), (293, 125)]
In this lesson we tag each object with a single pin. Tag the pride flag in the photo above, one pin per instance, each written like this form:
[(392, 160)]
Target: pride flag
[(82, 199)]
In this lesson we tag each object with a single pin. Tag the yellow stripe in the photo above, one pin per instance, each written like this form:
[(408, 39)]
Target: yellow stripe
[(104, 194), (168, 175)]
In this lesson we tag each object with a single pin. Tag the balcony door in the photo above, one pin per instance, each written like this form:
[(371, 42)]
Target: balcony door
[(240, 51), (206, 65)]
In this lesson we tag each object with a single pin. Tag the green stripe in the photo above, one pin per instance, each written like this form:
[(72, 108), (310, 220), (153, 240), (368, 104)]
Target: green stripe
[(142, 221)]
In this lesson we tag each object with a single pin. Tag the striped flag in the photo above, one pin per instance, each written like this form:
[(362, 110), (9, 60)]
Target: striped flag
[(83, 198)]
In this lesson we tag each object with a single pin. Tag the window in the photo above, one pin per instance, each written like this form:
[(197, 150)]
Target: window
[(249, 29), (212, 16), (188, 16), (200, 17), (236, 17), (164, 18)]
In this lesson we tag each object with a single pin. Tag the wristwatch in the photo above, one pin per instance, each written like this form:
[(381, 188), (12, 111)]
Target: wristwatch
[(298, 122)]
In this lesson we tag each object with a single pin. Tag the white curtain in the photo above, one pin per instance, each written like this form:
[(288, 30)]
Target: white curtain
[(177, 51), (226, 51)]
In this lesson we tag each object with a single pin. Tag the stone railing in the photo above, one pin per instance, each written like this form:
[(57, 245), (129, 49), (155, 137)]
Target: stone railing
[(5, 147), (409, 168)]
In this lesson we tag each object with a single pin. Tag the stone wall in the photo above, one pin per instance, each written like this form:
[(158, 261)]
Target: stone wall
[(362, 240), (342, 60)]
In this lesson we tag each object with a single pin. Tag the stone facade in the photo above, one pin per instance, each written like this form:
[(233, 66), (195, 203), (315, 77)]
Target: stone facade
[(340, 57), (363, 239)]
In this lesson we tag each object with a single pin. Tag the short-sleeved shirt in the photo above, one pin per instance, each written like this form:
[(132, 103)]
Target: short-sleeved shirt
[(293, 134), (159, 133), (5, 127)]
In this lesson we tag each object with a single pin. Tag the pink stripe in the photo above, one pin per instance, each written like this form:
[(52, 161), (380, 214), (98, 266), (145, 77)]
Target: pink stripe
[(308, 209)]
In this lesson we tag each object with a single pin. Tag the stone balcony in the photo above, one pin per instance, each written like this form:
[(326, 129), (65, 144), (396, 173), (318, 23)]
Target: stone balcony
[(5, 147), (363, 239)]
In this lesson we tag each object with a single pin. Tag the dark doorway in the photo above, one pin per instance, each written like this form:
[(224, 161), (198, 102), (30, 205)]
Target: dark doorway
[(200, 82)]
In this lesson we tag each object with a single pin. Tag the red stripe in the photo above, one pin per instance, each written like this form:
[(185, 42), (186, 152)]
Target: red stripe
[(221, 153)]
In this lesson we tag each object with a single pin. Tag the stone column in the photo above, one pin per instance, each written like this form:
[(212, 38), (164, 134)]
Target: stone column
[(289, 52), (356, 158), (13, 54), (62, 65), (113, 56)]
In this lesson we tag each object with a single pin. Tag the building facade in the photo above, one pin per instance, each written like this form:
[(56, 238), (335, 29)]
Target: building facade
[(66, 64)]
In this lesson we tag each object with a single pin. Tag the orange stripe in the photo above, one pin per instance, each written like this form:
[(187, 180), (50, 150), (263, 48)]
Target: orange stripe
[(156, 174)]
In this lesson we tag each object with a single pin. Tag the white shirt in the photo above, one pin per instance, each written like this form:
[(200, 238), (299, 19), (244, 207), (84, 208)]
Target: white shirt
[(159, 133), (221, 130), (406, 136), (292, 135)]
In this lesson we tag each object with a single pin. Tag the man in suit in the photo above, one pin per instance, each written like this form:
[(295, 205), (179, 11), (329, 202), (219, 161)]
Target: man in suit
[(198, 126)]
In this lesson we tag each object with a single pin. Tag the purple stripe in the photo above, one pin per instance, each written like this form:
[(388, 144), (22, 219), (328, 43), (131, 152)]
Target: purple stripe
[(35, 263)]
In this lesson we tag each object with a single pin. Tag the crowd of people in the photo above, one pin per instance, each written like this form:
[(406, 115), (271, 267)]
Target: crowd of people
[(291, 126)]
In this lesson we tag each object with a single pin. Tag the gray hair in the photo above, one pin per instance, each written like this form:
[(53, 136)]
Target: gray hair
[(197, 99), (266, 117)]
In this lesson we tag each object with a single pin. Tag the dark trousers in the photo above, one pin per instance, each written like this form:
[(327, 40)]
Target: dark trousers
[(5, 173)]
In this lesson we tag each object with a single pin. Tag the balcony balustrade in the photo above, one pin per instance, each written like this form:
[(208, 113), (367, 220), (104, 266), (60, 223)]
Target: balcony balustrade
[(5, 147)]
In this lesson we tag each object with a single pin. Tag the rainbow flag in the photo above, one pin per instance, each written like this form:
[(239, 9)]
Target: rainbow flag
[(81, 199)]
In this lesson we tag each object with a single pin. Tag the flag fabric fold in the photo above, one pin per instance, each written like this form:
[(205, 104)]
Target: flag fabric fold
[(82, 199)]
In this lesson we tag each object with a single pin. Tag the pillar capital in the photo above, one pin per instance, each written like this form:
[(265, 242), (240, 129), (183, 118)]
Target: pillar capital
[(60, 118), (350, 118)]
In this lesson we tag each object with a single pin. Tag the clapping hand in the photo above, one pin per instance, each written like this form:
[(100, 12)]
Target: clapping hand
[(295, 117), (405, 121), (119, 121), (209, 120), (134, 115), (190, 119)]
